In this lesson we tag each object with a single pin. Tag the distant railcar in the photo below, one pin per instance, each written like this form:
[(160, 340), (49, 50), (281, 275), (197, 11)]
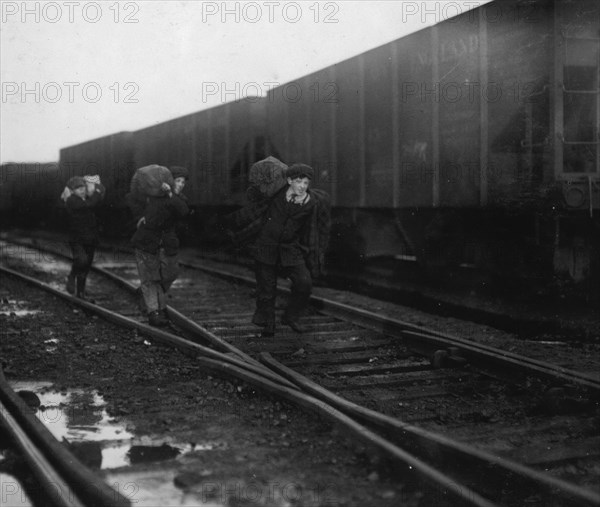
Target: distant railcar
[(217, 145), (29, 193), (471, 143), (110, 157)]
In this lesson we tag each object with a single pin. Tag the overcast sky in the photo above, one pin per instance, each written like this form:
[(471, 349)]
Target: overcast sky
[(74, 70)]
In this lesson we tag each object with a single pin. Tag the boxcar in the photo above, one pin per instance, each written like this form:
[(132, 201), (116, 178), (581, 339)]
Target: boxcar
[(111, 157), (469, 144), (217, 145), (29, 193)]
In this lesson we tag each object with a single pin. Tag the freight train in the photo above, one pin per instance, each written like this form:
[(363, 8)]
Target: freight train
[(470, 144)]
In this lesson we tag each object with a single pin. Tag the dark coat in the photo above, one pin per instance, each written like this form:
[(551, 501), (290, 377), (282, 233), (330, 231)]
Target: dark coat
[(279, 231), (280, 240), (158, 230), (83, 224)]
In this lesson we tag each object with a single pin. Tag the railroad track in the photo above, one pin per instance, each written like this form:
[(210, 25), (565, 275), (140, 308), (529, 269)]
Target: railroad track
[(244, 433), (392, 376), (61, 478), (225, 365)]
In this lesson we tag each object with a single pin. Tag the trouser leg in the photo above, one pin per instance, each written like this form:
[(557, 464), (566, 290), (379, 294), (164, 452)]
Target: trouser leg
[(79, 259), (300, 291), (85, 269), (75, 254), (83, 256), (169, 270), (266, 292), (81, 279), (71, 280), (149, 271)]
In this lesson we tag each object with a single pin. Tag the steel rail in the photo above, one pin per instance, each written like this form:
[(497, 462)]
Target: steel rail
[(434, 446), (50, 481), (179, 319), (400, 431), (152, 332), (427, 341), (421, 339), (220, 363), (63, 478), (437, 339), (396, 427)]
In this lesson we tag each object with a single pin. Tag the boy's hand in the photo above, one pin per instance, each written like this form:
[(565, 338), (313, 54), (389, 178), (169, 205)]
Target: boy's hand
[(66, 193), (165, 187)]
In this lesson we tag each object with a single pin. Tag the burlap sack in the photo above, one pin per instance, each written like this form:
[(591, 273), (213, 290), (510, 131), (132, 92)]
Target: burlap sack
[(266, 177), (147, 180)]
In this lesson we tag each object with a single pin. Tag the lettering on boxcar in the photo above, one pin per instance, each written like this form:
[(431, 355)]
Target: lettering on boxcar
[(450, 50)]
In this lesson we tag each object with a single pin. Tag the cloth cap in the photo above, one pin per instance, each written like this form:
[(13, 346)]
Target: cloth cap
[(300, 171), (179, 172), (76, 182), (92, 178)]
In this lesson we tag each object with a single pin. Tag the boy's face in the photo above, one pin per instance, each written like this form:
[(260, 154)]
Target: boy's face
[(299, 185), (179, 183), (80, 191)]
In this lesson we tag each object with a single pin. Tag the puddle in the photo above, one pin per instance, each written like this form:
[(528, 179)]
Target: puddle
[(79, 417), (18, 313), (49, 266), (137, 452), (14, 308), (172, 487), (151, 488), (51, 345), (183, 282), (43, 261), (13, 494)]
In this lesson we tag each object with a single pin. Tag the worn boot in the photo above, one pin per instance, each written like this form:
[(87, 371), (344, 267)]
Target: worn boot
[(259, 319), (157, 319), (140, 300), (81, 286), (292, 321), (165, 314), (71, 283), (268, 330), (266, 320)]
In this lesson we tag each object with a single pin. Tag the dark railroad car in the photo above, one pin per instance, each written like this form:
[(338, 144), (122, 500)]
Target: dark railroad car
[(217, 145), (467, 147), (29, 193), (472, 143), (111, 157)]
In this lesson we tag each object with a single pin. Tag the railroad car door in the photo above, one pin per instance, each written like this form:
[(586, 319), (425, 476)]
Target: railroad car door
[(577, 101), (577, 135)]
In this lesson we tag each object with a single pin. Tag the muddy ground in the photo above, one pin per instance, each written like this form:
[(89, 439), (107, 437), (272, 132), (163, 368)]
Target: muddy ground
[(233, 445), (197, 439)]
